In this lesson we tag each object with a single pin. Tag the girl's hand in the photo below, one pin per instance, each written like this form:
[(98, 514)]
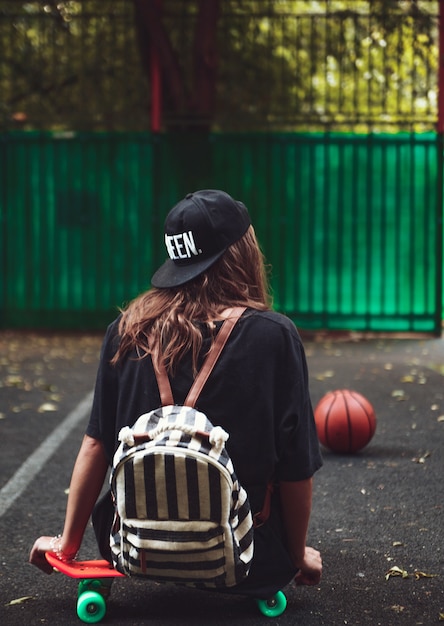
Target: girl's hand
[(37, 554), (310, 570)]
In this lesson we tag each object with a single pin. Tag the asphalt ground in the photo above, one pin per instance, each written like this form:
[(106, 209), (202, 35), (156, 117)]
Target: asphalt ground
[(377, 515)]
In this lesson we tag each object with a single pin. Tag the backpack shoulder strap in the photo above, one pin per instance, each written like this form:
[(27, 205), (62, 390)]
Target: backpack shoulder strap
[(231, 317), (166, 396)]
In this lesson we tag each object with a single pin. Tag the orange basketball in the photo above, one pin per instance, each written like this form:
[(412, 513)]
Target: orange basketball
[(345, 421)]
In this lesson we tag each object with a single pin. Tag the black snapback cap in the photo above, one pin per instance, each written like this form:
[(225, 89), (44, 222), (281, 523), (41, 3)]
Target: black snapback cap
[(198, 230)]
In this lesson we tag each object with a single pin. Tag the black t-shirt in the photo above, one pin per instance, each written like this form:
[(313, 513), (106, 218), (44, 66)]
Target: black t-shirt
[(258, 392)]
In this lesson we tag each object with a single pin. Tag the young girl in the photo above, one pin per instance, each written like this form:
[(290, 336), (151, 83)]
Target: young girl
[(258, 391)]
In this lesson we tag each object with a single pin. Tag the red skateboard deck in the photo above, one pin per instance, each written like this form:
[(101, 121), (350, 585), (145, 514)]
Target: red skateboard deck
[(83, 569)]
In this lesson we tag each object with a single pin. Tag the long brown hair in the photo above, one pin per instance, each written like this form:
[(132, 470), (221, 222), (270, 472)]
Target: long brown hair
[(169, 316)]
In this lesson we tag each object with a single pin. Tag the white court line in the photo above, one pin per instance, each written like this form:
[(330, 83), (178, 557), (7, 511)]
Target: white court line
[(34, 463)]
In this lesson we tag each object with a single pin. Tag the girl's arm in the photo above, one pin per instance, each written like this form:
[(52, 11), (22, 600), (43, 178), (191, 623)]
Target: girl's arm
[(87, 480), (296, 499)]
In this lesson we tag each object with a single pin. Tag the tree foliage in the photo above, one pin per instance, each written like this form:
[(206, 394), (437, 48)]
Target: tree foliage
[(224, 64)]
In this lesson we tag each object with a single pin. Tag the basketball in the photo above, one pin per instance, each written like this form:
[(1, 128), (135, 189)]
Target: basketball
[(345, 421)]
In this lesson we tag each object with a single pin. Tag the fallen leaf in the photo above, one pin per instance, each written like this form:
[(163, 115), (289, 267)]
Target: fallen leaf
[(421, 459), (47, 406), (396, 571), (440, 418), (398, 393), (419, 575), (19, 600), (441, 617), (397, 543), (324, 375), (407, 379), (13, 381)]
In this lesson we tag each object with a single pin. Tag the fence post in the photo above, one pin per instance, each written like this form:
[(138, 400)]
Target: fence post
[(156, 86), (3, 212), (440, 179)]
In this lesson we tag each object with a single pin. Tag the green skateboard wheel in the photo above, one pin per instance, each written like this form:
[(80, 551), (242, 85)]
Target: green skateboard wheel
[(91, 607), (274, 606)]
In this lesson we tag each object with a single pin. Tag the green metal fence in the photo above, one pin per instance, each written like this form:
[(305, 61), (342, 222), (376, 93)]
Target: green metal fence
[(351, 224)]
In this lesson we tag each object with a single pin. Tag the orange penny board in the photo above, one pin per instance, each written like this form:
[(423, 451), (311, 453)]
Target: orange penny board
[(83, 569)]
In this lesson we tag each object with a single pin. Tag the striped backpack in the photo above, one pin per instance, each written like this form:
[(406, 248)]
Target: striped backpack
[(181, 515)]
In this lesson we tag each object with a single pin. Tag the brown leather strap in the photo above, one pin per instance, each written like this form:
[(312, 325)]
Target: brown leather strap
[(166, 395), (163, 382), (231, 317)]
